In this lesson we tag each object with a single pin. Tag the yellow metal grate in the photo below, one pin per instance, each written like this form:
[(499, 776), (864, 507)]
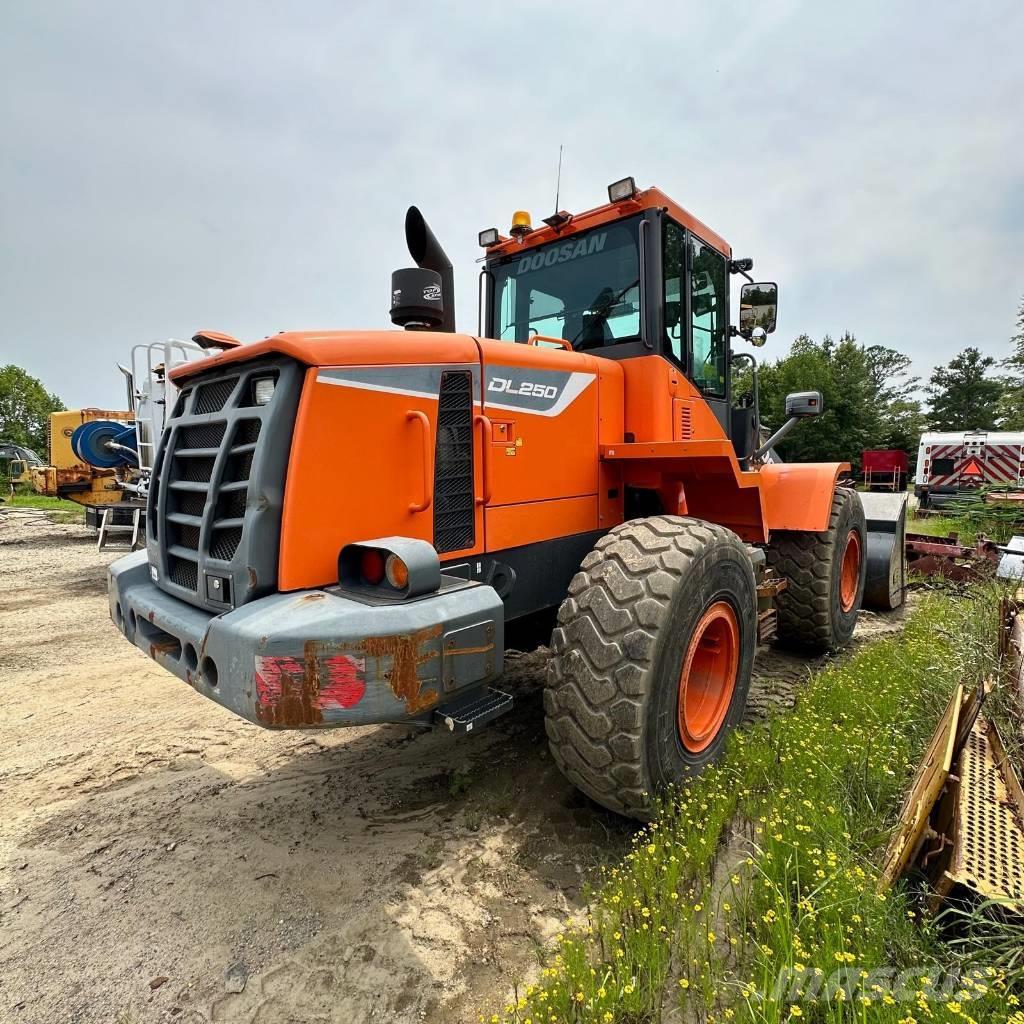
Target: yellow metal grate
[(989, 840)]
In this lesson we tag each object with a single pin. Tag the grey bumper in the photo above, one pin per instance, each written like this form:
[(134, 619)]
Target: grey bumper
[(314, 658)]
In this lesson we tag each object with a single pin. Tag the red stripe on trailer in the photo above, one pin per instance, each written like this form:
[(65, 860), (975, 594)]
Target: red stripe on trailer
[(1002, 469), (1010, 457)]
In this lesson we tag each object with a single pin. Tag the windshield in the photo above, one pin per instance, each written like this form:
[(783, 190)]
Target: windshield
[(585, 290)]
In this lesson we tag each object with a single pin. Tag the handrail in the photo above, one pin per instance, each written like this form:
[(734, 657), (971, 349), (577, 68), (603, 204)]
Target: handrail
[(428, 496), (535, 338), (485, 468)]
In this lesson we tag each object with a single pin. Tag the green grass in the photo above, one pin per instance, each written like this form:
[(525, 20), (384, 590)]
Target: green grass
[(970, 516), (967, 528), (64, 511), (814, 794)]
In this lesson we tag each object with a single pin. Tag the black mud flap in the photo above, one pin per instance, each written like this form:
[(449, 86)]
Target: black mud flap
[(886, 516)]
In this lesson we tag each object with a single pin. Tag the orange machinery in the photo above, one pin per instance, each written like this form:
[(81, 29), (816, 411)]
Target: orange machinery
[(346, 527)]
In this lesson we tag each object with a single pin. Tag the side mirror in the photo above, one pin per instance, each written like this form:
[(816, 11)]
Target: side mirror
[(803, 405), (759, 307), (800, 405)]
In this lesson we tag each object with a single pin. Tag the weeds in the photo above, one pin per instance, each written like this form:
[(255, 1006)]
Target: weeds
[(972, 516), (794, 926)]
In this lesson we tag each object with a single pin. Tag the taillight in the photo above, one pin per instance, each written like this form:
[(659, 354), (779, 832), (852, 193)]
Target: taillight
[(391, 568), (397, 572), (371, 566)]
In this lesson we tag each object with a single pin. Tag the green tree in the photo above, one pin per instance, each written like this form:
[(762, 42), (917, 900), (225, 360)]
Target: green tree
[(961, 395), (867, 395), (1011, 402), (25, 407)]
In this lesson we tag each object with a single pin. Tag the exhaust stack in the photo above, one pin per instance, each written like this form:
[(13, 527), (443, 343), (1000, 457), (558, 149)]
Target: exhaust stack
[(427, 253)]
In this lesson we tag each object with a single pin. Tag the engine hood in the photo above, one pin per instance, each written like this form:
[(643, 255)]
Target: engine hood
[(345, 348)]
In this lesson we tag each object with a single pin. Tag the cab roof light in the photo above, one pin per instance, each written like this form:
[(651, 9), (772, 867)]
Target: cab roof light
[(621, 190), (521, 224), (488, 238)]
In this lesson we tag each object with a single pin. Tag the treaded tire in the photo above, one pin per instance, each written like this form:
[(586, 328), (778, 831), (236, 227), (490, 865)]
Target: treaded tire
[(810, 614), (612, 696)]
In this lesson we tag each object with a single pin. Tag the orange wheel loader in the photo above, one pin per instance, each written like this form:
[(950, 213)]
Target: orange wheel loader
[(349, 527)]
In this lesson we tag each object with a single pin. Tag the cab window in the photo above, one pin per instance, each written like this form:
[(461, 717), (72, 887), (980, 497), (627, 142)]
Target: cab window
[(709, 317), (673, 262), (584, 290)]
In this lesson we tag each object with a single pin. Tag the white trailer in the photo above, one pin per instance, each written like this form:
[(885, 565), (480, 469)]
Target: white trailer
[(958, 462)]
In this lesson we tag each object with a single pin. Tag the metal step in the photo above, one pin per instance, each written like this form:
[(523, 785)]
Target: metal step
[(108, 527), (473, 711)]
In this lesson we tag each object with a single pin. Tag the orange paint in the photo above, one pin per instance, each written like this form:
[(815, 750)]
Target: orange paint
[(798, 495), (648, 199), (509, 526)]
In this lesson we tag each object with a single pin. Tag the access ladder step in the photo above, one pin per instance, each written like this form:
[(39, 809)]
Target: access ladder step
[(473, 711)]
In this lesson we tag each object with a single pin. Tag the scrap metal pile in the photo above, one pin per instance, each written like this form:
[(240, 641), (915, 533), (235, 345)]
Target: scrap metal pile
[(961, 828)]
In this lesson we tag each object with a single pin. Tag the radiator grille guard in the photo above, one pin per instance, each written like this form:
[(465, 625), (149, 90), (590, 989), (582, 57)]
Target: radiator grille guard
[(214, 517)]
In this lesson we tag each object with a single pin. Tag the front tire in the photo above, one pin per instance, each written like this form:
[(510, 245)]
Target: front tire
[(652, 659), (818, 611)]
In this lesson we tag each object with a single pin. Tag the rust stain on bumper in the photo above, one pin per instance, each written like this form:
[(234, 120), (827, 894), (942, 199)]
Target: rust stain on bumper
[(292, 692), (407, 655)]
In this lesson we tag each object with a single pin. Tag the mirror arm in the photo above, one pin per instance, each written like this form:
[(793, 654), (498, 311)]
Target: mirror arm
[(775, 439), (755, 387), (741, 267)]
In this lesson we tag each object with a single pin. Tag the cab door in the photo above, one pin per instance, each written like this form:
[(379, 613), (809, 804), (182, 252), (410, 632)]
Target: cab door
[(696, 315), (709, 326)]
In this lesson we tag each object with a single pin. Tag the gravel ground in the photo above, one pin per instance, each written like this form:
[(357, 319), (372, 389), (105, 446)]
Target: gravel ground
[(161, 860)]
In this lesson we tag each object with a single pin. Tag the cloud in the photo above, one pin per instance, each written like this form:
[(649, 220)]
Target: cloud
[(246, 166)]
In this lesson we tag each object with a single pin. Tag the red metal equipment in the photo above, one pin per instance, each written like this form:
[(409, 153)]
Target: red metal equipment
[(884, 469)]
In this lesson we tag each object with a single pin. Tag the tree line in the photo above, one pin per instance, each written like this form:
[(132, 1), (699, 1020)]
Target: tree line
[(25, 407), (871, 400)]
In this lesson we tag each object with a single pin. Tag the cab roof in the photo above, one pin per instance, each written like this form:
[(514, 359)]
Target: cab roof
[(648, 199)]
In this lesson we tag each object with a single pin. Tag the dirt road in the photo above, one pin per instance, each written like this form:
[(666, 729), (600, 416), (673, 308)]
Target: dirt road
[(162, 861)]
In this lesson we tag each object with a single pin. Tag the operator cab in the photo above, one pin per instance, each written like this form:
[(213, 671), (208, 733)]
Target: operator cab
[(635, 277)]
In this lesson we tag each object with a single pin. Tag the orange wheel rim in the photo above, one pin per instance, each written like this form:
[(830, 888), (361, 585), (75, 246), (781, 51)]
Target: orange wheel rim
[(708, 677), (849, 578)]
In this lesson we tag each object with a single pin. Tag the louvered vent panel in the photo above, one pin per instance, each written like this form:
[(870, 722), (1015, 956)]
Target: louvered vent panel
[(685, 422), (453, 464)]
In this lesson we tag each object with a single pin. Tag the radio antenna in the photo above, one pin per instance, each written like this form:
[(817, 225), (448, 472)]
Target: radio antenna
[(558, 180)]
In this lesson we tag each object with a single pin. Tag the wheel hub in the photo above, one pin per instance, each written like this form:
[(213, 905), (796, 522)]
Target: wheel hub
[(708, 677), (849, 577)]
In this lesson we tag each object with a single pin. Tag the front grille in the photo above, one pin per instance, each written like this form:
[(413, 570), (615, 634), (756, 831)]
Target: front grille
[(189, 503), (197, 471), (185, 536), (207, 436), (225, 543), (453, 464), (214, 396), (184, 572), (218, 483)]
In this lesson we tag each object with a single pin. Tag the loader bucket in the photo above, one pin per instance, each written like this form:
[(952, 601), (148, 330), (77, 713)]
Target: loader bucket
[(886, 516)]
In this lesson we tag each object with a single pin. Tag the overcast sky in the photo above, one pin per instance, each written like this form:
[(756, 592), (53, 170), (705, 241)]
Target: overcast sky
[(246, 166)]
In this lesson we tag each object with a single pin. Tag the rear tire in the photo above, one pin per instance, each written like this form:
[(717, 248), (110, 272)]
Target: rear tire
[(652, 658), (818, 611)]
